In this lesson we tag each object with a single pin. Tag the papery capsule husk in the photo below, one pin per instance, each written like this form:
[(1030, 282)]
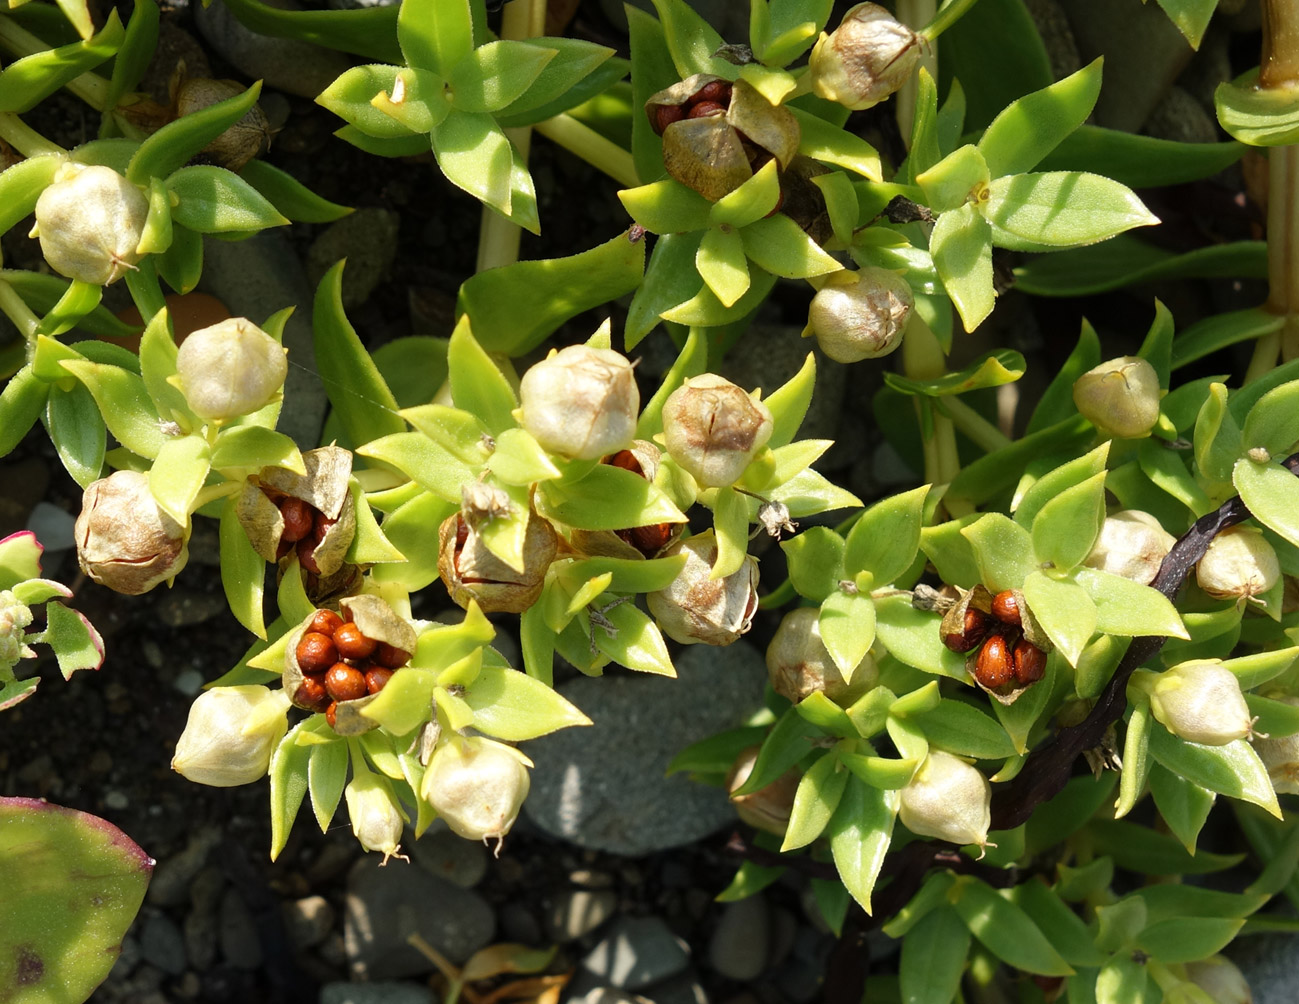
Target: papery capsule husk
[(1221, 979), (472, 572), (607, 543), (860, 314), (230, 735), (124, 539), (948, 799), (868, 57), (799, 664), (230, 369), (89, 221), (325, 487), (713, 429), (1132, 544), (580, 402), (325, 483), (953, 621), (477, 786), (1239, 564), (1280, 756), (697, 608), (707, 154), (1120, 397), (240, 143), (1200, 701), (768, 808)]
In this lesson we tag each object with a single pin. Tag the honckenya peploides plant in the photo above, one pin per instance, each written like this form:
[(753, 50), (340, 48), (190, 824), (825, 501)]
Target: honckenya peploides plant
[(1003, 698)]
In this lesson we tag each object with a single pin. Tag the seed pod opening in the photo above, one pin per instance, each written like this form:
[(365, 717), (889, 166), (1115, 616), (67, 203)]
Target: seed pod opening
[(124, 540), (641, 457), (868, 57), (948, 799), (90, 221), (472, 572), (229, 369), (580, 402), (860, 315), (1120, 397), (713, 429), (696, 608)]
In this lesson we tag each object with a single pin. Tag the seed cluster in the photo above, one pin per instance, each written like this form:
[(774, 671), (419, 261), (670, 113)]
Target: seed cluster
[(305, 527), (1005, 655), (711, 99), (339, 663), (651, 539)]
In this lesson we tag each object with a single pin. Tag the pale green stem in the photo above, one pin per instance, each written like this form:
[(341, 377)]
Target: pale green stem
[(950, 13), (1279, 65), (210, 493), (600, 153), (1282, 260), (922, 359), (913, 12), (498, 237), (23, 138), (89, 87), (974, 425), (15, 308)]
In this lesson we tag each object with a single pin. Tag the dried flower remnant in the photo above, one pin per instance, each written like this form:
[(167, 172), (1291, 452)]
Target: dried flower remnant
[(230, 735), (239, 144), (713, 429), (864, 60), (124, 539), (471, 572), (1240, 564), (229, 369), (860, 315), (90, 221), (580, 402), (768, 808), (1120, 397), (698, 608)]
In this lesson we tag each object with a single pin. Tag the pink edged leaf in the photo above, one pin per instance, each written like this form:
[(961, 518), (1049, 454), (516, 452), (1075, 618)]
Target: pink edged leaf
[(34, 591), (76, 643), (14, 692), (20, 558)]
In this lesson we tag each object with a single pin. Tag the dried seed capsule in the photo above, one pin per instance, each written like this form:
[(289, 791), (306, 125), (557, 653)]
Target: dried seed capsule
[(712, 429), (325, 622), (477, 786), (1132, 544), (299, 518), (1120, 397), (376, 816), (242, 141), (695, 607), (344, 682), (1281, 757), (947, 799), (316, 652), (798, 663), (230, 369), (471, 571), (390, 656), (860, 314), (352, 644), (1005, 607), (580, 402), (230, 735), (124, 539), (1221, 979), (1239, 564), (376, 678), (767, 808), (975, 630), (995, 666), (868, 57), (90, 221), (1030, 662), (1200, 701)]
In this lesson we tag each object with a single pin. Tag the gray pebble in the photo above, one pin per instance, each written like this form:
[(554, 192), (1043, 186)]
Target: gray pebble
[(442, 853), (116, 800), (375, 993), (170, 885), (637, 952), (575, 912), (161, 944), (189, 682), (183, 606), (201, 939), (308, 920), (741, 941), (368, 240), (385, 905), (684, 988), (52, 526), (237, 934), (604, 787)]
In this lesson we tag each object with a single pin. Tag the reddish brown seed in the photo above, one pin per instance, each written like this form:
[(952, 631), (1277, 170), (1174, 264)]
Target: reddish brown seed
[(325, 622), (307, 555), (299, 518), (331, 714), (352, 644), (311, 694), (994, 667), (715, 90), (321, 526), (344, 682), (283, 548), (376, 679), (702, 109), (665, 115), (316, 652), (1030, 662), (976, 627), (626, 460), (649, 540), (1006, 608), (390, 656)]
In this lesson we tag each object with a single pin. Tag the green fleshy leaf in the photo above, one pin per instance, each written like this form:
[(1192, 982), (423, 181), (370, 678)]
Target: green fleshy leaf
[(1272, 423), (608, 498), (182, 263), (961, 245), (1032, 126), (780, 246), (476, 156), (178, 473), (1003, 550), (789, 402), (580, 71), (1056, 819), (1127, 608), (933, 957), (1005, 929), (78, 300), (243, 572), (692, 41), (124, 404), (1136, 757), (1183, 804), (350, 98), (992, 369), (288, 770), (511, 706), (964, 730), (1065, 611), (1233, 769), (815, 801), (1057, 920), (493, 75), (21, 185), (998, 471), (750, 880), (847, 624), (722, 264), (884, 541), (76, 643), (823, 141), (948, 184), (65, 871), (789, 740), (666, 207), (756, 198), (252, 447), (950, 551), (168, 149), (213, 200), (1031, 499), (407, 529), (26, 82), (421, 460), (731, 523), (514, 307), (290, 197), (671, 279), (519, 459), (1188, 939), (860, 833), (367, 32), (1061, 209), (436, 34), (1218, 441), (912, 637), (1255, 115), (76, 430), (717, 753), (326, 778), (1066, 527), (815, 562), (636, 641)]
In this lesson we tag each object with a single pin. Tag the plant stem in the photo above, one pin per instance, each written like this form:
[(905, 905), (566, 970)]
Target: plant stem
[(602, 154), (949, 14), (15, 308), (498, 237), (912, 12), (922, 359), (1279, 65), (974, 425), (1282, 260), (23, 138), (89, 87)]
